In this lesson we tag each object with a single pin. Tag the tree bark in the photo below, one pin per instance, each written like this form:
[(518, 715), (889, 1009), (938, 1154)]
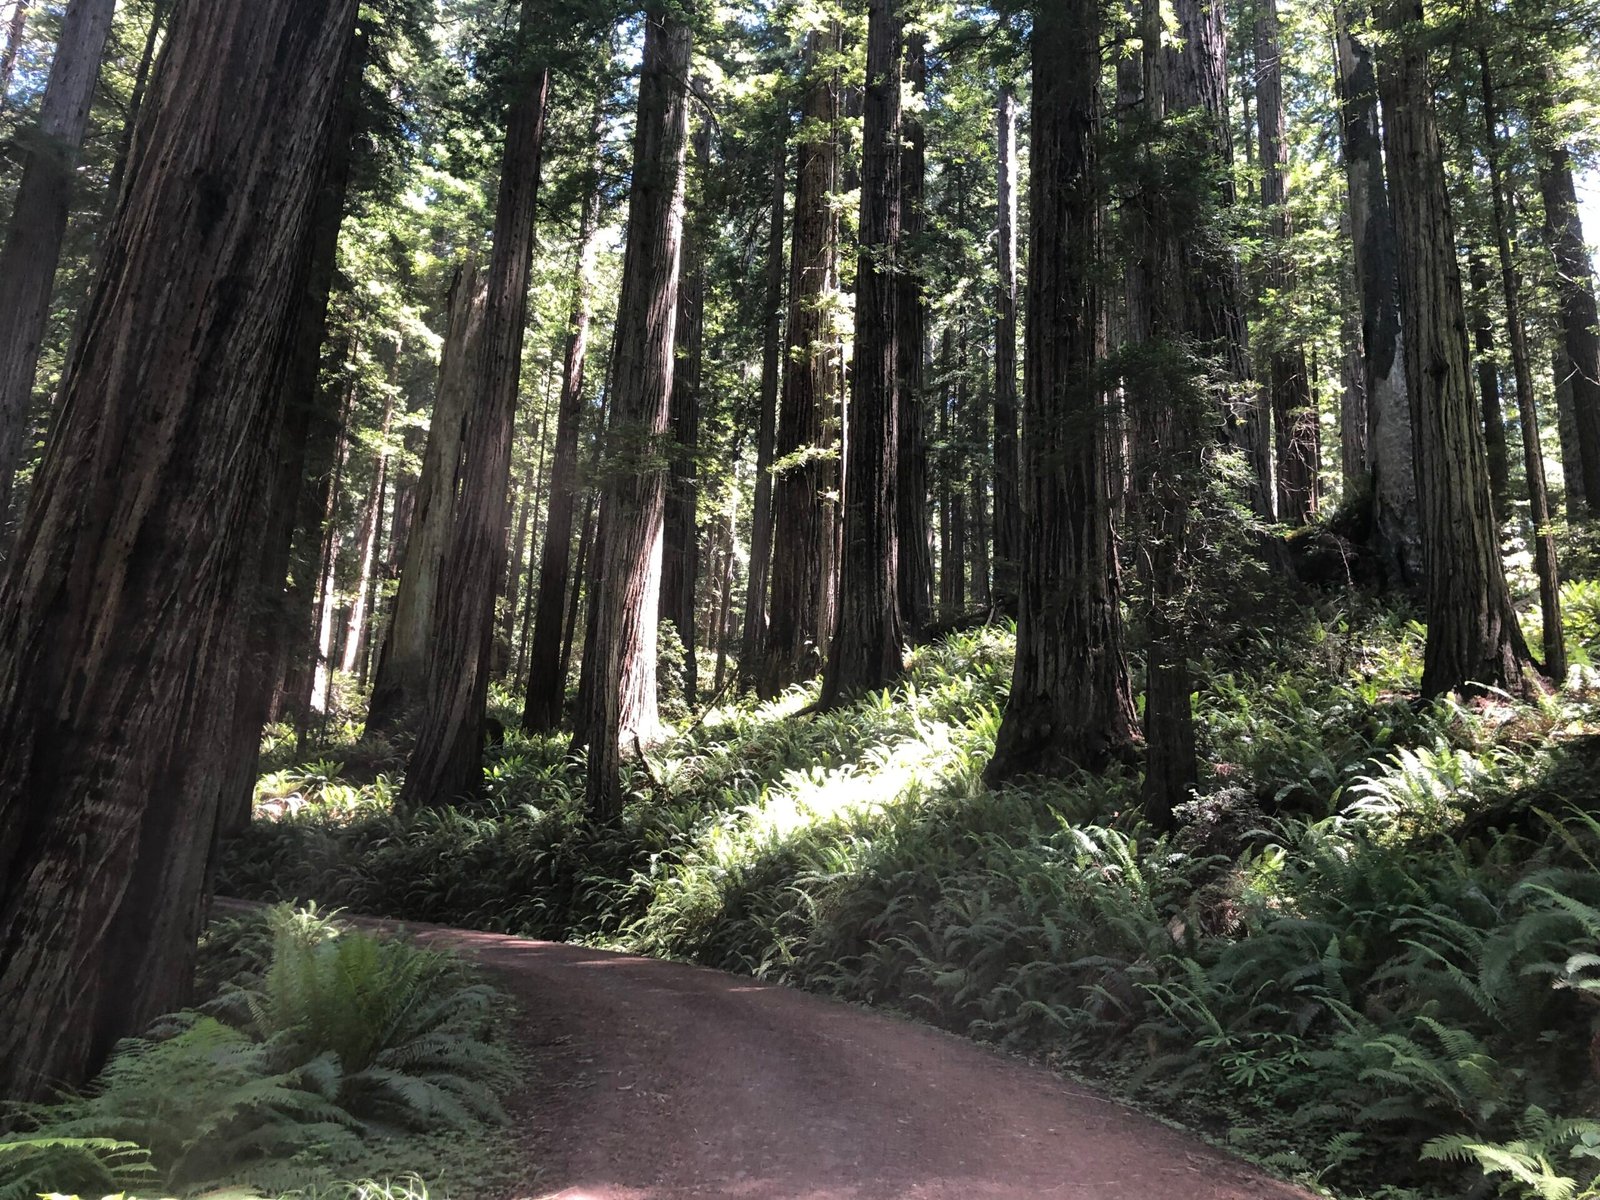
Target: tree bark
[(355, 633), (1542, 534), (620, 652), (867, 649), (1391, 461), (911, 502), (1070, 705), (123, 609), (1473, 636), (32, 246), (754, 642), (1294, 412), (448, 759), (541, 712), (680, 559), (1494, 420), (15, 28), (800, 524), (1580, 317), (1567, 430), (400, 683), (1008, 518)]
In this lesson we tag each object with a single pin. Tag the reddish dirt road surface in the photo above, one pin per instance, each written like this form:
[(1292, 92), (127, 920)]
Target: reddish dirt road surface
[(657, 1081)]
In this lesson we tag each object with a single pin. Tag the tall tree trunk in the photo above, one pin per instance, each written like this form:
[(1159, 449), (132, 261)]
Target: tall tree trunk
[(1393, 485), (1070, 705), (911, 502), (547, 674), (32, 246), (16, 26), (400, 683), (505, 641), (724, 602), (867, 651), (1294, 411), (810, 367), (1182, 309), (1008, 519), (1567, 431), (448, 759), (754, 642), (1580, 317), (1542, 534), (327, 602), (355, 631), (620, 652), (977, 483), (680, 559), (159, 11), (1494, 420), (123, 611), (1473, 636)]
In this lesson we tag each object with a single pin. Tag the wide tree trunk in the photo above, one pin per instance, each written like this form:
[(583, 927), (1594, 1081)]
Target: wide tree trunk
[(1473, 636), (680, 558), (620, 652), (1391, 464), (32, 246), (1567, 432), (400, 682), (448, 759), (867, 649), (1294, 412), (754, 641), (1580, 318), (911, 502), (1008, 518), (1542, 534), (547, 679), (1070, 705), (122, 614), (811, 366)]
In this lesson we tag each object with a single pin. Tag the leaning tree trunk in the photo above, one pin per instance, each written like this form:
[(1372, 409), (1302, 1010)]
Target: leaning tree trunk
[(400, 684), (1008, 518), (448, 759), (680, 558), (547, 677), (32, 246), (1473, 636), (867, 651), (800, 522), (620, 652), (911, 502), (754, 641), (1580, 317), (1070, 705), (1294, 410), (122, 614), (1397, 529), (1543, 535)]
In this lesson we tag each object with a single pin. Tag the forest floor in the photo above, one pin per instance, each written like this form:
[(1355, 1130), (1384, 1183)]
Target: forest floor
[(659, 1080)]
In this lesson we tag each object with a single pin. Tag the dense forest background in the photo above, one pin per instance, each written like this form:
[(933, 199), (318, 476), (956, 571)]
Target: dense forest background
[(1073, 519)]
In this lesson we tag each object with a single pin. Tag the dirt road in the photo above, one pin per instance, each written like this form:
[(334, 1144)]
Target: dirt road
[(661, 1081)]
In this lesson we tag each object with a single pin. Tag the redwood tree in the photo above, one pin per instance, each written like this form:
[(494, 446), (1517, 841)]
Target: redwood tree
[(1070, 705), (32, 245), (620, 652), (1007, 488), (448, 759), (122, 613), (1473, 635), (867, 650)]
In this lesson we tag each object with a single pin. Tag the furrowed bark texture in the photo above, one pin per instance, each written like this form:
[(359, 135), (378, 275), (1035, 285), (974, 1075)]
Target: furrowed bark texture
[(800, 524), (1071, 704), (1473, 636), (1007, 488), (122, 614), (621, 648), (32, 247), (911, 502), (448, 759), (399, 688), (867, 651)]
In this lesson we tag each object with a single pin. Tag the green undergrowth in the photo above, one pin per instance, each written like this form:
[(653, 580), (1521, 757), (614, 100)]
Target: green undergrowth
[(1369, 958), (316, 1054)]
